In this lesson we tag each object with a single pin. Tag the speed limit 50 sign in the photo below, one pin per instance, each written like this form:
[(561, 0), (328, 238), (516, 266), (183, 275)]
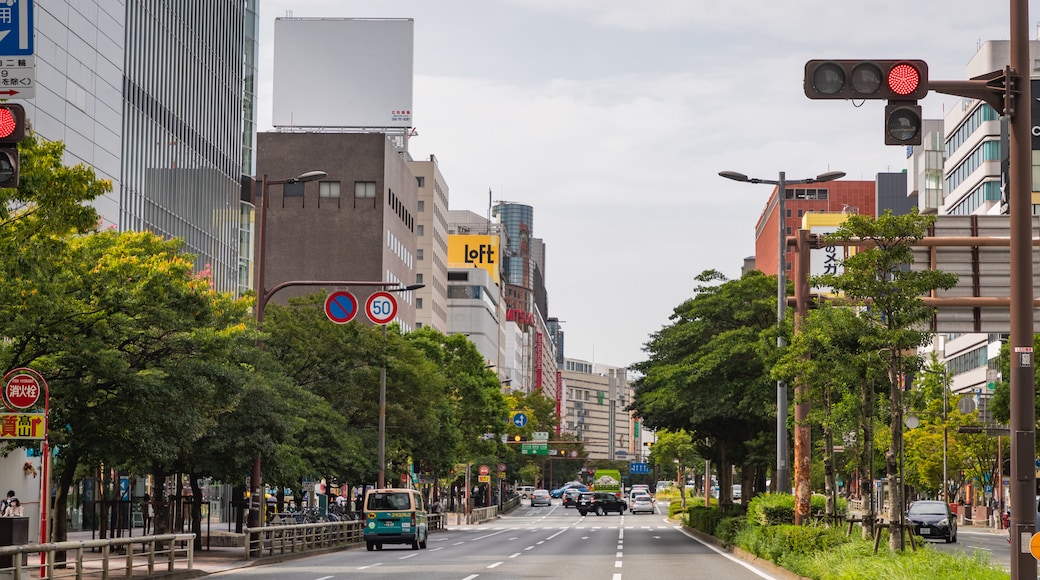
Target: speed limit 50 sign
[(381, 307)]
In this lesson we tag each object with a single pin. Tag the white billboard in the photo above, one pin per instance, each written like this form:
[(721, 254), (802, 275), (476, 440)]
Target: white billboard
[(343, 72)]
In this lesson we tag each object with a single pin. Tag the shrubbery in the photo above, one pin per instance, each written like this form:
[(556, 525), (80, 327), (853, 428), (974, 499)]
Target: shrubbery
[(822, 553)]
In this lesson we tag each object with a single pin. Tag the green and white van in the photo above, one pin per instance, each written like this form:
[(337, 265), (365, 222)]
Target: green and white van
[(394, 516)]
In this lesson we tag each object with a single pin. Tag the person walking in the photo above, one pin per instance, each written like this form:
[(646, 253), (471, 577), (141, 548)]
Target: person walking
[(148, 513)]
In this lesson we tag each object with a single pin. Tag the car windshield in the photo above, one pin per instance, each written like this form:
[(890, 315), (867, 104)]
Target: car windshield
[(927, 509)]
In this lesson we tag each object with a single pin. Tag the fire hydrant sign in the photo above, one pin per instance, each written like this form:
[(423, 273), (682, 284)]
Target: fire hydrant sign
[(22, 391)]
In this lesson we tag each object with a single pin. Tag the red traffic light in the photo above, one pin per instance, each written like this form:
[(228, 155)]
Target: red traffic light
[(12, 123), (866, 79)]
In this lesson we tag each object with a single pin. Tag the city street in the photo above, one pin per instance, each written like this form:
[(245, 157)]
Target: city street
[(542, 542), (970, 541)]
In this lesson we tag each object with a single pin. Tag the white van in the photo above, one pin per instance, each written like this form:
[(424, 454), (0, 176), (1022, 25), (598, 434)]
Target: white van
[(525, 491)]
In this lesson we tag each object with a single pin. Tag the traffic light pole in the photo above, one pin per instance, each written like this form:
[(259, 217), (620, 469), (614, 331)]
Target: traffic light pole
[(1023, 396)]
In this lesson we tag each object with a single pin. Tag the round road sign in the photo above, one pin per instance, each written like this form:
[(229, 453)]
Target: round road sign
[(22, 391), (1034, 545), (341, 307), (381, 307), (484, 470), (519, 419)]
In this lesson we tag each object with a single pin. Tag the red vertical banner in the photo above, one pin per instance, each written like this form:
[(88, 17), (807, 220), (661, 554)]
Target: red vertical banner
[(559, 400), (538, 361)]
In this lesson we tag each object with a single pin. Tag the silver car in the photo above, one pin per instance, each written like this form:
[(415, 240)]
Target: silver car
[(642, 503), (540, 497)]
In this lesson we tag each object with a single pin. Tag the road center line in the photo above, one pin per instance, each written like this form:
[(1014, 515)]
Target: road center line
[(401, 558), (495, 565), (515, 555), (370, 566), (471, 577), (617, 564)]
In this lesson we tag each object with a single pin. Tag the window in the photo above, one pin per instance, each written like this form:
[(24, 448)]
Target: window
[(419, 254), (422, 205), (418, 278), (328, 189), (365, 189), (418, 303), (420, 230), (421, 180), (293, 189)]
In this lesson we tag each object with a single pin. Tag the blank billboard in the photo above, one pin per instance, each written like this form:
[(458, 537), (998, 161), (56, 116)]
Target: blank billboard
[(343, 72)]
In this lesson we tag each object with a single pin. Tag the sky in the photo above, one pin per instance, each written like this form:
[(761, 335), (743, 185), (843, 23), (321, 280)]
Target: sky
[(613, 118)]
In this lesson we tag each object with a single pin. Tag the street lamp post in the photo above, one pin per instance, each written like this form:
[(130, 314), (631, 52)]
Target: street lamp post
[(381, 454), (783, 471), (945, 378)]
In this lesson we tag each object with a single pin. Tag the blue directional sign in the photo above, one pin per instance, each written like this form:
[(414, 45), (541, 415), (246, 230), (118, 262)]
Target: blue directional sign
[(519, 419), (637, 468), (16, 28)]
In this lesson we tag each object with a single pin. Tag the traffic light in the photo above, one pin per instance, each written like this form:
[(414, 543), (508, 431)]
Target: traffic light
[(904, 80), (12, 130), (903, 123)]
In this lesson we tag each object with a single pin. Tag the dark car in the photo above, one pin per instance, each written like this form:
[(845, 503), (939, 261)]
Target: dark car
[(600, 502), (570, 496), (932, 519)]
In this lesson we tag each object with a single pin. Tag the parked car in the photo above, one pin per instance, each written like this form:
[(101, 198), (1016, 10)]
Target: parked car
[(570, 497), (737, 491), (601, 502), (932, 519), (540, 497), (642, 503)]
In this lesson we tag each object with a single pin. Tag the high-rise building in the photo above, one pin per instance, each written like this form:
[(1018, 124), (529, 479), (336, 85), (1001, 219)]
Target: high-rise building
[(593, 409), (431, 232), (154, 98)]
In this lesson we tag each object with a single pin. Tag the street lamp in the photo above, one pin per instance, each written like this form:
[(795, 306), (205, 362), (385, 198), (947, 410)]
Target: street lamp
[(945, 378), (381, 454), (783, 471), (256, 494)]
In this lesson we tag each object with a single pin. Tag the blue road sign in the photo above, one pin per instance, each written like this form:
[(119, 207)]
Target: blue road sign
[(638, 468), (519, 419), (16, 28)]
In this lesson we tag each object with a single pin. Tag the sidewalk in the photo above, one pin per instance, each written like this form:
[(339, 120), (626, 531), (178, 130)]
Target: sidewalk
[(223, 550)]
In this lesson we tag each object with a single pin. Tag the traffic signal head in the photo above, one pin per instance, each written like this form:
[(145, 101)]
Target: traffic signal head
[(12, 123), (866, 79), (903, 123)]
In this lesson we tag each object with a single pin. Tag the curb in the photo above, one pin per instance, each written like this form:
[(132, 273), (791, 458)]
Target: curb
[(748, 557)]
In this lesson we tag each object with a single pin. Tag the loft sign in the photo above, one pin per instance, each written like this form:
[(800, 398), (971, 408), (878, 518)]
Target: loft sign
[(480, 254)]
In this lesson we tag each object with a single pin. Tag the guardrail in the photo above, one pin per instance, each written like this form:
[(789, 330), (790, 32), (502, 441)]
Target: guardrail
[(153, 554), (279, 540)]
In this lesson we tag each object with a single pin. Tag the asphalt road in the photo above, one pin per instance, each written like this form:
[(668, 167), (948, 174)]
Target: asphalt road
[(543, 542), (970, 541)]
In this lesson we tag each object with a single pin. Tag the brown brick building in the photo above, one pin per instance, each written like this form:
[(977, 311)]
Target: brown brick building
[(357, 223)]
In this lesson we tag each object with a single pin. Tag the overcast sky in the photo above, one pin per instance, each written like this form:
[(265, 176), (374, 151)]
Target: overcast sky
[(612, 119)]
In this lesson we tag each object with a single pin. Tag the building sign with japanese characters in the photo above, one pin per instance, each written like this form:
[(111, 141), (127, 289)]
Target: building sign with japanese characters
[(22, 426)]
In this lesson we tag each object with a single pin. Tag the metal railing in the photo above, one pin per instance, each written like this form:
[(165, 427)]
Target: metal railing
[(295, 538), (113, 558)]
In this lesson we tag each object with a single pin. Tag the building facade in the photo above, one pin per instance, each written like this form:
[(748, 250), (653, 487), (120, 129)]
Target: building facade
[(357, 223), (593, 409), (431, 232)]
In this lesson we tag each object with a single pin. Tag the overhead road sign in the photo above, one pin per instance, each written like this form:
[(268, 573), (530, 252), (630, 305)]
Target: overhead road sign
[(16, 28)]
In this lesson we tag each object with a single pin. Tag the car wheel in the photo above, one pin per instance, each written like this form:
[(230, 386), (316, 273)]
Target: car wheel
[(379, 547), (600, 511), (422, 544), (582, 512), (370, 546), (415, 544)]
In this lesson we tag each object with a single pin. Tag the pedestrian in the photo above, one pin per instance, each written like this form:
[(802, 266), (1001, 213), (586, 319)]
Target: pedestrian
[(148, 513), (6, 504)]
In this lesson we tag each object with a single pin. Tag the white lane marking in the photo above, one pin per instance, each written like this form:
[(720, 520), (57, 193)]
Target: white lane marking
[(585, 537), (618, 554), (617, 564), (370, 566), (435, 549), (325, 577), (617, 577), (488, 535), (621, 535), (471, 577), (529, 548), (729, 557), (556, 534), (495, 565), (401, 558), (515, 555), (459, 543), (656, 537)]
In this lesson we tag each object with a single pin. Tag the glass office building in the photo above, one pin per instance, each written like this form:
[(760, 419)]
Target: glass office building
[(182, 128), (158, 98)]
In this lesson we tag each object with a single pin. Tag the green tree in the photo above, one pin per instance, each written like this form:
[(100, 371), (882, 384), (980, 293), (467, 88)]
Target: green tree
[(707, 373), (675, 450), (880, 274)]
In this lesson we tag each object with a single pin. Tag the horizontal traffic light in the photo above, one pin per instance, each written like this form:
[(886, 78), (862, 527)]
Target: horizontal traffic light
[(866, 79)]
